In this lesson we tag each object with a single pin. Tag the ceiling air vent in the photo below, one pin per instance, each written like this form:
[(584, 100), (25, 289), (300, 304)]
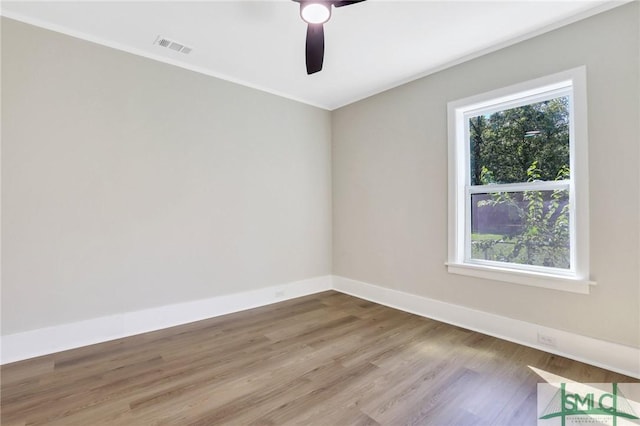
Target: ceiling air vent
[(173, 45)]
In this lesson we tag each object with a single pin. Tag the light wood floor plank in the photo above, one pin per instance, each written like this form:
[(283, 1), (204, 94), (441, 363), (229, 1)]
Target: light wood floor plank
[(325, 359)]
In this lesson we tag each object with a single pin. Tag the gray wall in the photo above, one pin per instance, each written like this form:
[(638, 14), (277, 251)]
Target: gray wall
[(390, 181), (128, 183)]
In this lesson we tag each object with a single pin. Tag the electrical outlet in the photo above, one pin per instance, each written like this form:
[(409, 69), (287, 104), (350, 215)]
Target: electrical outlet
[(546, 340), (279, 293)]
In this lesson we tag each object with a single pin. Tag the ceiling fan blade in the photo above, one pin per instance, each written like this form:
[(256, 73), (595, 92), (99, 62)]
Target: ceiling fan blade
[(315, 48), (340, 3)]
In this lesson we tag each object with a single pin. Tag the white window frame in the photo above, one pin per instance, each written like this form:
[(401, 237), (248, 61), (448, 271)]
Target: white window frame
[(571, 83)]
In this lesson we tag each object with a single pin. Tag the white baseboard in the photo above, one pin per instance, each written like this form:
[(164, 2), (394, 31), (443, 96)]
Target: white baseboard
[(611, 356), (43, 341)]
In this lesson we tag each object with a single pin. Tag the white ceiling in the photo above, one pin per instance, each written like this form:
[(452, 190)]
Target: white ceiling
[(370, 46)]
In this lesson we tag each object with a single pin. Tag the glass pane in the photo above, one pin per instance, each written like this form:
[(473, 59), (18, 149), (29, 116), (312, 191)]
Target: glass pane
[(521, 144), (530, 227)]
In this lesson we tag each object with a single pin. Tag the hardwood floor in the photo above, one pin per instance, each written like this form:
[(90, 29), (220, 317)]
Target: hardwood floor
[(325, 359)]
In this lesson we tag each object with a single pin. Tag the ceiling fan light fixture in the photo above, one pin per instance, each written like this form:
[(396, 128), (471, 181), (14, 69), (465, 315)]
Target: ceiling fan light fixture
[(315, 12)]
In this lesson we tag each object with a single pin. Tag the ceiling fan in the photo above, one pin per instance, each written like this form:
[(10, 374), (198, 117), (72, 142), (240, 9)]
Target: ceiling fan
[(315, 13)]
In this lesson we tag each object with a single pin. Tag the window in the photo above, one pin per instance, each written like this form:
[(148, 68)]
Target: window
[(518, 187)]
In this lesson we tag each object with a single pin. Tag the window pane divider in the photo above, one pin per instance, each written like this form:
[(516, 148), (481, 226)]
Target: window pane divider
[(550, 185)]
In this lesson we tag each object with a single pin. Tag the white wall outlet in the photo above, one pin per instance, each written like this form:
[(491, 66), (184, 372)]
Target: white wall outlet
[(546, 340)]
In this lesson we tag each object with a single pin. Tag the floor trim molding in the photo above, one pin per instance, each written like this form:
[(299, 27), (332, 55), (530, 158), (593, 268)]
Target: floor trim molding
[(43, 341), (611, 356)]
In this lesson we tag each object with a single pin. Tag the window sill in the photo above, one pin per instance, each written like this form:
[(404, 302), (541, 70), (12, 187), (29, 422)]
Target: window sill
[(570, 284)]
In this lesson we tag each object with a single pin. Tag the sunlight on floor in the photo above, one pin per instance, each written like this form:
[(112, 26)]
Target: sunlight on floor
[(550, 377)]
